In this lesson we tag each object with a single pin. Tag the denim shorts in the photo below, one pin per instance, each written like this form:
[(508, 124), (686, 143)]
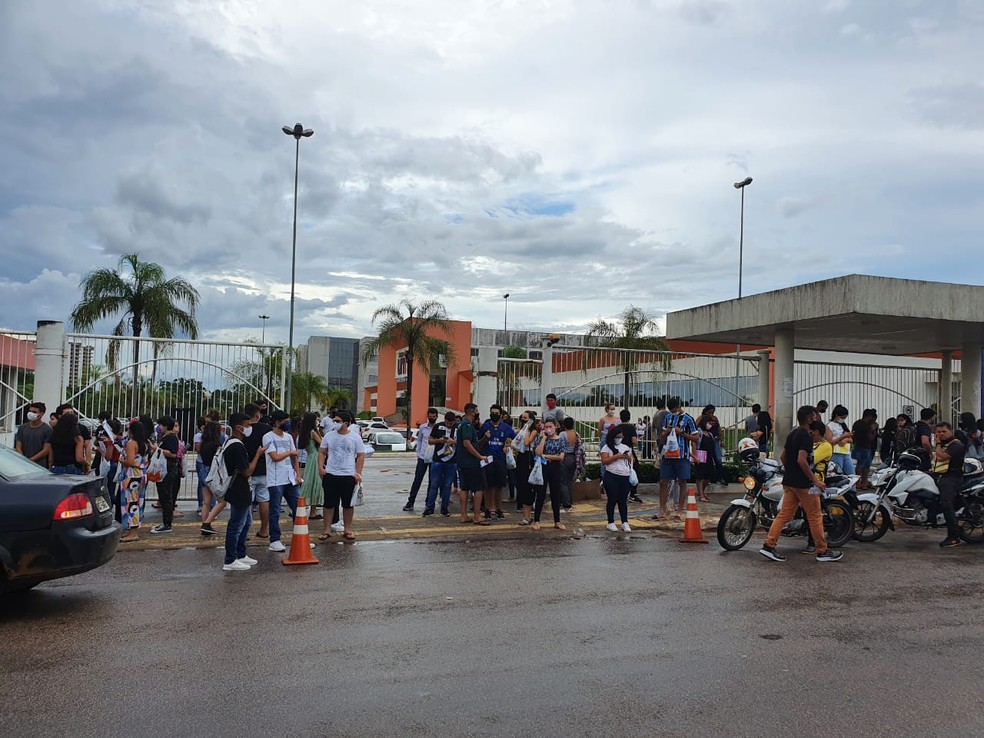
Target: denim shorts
[(259, 487), (863, 457), (675, 469)]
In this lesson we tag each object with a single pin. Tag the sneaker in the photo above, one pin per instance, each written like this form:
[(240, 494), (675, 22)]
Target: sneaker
[(830, 555), (236, 566), (208, 530), (770, 553), (248, 560), (337, 527), (446, 513), (810, 548), (427, 513), (611, 527), (499, 515), (161, 528), (950, 542), (635, 498), (626, 528), (408, 508), (277, 546)]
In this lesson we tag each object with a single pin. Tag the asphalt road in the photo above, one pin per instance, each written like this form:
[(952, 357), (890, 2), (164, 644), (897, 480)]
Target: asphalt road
[(622, 635)]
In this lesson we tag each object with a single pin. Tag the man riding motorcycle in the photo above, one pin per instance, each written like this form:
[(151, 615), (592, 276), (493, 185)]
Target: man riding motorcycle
[(948, 461)]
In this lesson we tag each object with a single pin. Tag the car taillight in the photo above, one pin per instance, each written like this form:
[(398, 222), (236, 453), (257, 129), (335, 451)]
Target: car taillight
[(73, 507)]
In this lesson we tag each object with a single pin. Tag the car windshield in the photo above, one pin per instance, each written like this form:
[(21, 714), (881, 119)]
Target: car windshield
[(389, 438), (15, 466)]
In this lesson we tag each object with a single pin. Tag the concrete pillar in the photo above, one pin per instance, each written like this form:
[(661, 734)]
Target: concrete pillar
[(49, 370), (946, 388), (784, 416), (763, 389), (546, 376), (970, 378), (486, 379)]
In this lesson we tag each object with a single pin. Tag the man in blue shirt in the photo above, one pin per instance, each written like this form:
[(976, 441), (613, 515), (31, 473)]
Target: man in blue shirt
[(676, 453), (495, 432)]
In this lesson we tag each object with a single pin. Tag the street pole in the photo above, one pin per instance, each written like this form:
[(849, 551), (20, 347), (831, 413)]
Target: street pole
[(298, 132), (740, 186), (264, 318), (505, 316)]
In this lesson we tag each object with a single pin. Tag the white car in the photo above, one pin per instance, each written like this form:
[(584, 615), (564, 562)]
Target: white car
[(386, 440)]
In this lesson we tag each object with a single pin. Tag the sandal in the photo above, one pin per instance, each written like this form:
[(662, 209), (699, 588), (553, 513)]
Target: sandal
[(525, 521), (466, 522), (260, 535), (348, 536), (560, 526), (129, 540), (703, 499), (324, 536), (536, 526), (483, 521)]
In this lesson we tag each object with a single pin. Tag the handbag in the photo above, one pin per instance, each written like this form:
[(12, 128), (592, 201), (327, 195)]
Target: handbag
[(700, 456), (536, 474), (358, 498)]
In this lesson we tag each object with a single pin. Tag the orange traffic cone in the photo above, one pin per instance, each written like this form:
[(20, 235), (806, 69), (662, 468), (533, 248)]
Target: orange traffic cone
[(300, 539), (691, 527)]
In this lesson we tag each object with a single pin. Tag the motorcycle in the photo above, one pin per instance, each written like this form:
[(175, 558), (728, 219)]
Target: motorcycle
[(910, 494), (762, 502)]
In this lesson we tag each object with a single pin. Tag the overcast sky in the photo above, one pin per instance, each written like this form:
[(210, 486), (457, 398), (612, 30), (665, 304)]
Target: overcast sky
[(577, 155)]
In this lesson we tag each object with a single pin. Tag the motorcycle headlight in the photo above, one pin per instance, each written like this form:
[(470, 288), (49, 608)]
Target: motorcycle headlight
[(750, 483)]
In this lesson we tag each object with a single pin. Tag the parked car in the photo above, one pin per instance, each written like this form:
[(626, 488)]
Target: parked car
[(51, 525), (388, 440)]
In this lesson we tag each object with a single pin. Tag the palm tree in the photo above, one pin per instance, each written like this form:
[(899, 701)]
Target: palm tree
[(410, 325), (144, 299), (309, 386), (635, 330)]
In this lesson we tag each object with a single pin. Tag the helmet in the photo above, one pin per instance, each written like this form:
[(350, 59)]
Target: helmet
[(748, 449), (972, 467)]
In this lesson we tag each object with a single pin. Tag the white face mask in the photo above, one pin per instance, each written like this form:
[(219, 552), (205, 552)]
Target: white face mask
[(611, 413), (247, 431), (32, 417)]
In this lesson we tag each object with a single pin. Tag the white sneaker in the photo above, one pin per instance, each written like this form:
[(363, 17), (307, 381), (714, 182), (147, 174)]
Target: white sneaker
[(248, 560), (611, 527), (236, 566), (277, 546), (337, 527), (626, 528)]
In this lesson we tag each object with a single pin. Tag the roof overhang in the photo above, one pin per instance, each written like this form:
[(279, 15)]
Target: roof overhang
[(856, 313)]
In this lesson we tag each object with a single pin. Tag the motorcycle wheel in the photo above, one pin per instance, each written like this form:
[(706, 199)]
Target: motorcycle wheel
[(735, 527), (971, 522), (838, 523), (867, 532)]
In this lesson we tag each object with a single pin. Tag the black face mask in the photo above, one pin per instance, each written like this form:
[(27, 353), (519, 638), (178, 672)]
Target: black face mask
[(495, 417)]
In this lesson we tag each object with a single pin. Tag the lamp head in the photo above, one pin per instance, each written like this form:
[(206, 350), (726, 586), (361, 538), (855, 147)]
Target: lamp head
[(505, 296), (744, 183), (298, 131)]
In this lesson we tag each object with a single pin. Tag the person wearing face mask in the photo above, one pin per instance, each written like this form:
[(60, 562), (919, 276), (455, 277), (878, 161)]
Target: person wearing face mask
[(551, 449), (32, 435), (258, 480), (522, 448), (616, 457), (608, 421), (311, 489), (240, 466), (423, 463), (495, 432), (167, 488), (283, 473), (840, 438), (340, 461)]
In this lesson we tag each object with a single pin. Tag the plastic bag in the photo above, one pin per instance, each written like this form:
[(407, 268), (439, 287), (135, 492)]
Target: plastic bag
[(358, 499), (510, 459), (671, 450), (536, 474), (157, 466)]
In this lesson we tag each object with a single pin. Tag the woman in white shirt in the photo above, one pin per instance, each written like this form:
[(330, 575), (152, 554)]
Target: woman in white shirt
[(616, 457), (283, 476), (840, 438), (340, 461)]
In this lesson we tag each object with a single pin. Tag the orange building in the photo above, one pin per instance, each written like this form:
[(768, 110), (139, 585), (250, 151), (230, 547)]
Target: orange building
[(447, 386)]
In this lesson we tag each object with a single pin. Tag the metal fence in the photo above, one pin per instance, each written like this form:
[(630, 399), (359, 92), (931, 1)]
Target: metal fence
[(16, 377)]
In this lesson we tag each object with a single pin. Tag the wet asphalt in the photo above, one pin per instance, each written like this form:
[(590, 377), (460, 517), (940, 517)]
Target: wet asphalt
[(609, 634)]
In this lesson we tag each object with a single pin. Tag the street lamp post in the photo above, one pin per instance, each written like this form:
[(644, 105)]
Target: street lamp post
[(264, 318), (298, 132), (740, 186), (505, 315)]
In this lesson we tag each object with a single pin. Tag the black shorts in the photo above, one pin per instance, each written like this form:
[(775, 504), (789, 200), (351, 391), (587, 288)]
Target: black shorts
[(495, 473), (471, 479), (338, 489)]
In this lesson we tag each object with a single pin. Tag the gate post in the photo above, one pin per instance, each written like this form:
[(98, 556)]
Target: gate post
[(785, 415), (945, 411), (763, 389), (49, 357), (970, 378), (546, 375), (486, 379)]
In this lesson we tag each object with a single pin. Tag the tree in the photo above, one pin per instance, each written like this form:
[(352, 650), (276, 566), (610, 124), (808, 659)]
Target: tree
[(634, 330), (143, 298), (410, 325), (308, 386)]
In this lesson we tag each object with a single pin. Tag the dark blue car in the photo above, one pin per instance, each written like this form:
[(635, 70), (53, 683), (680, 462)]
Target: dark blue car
[(51, 526)]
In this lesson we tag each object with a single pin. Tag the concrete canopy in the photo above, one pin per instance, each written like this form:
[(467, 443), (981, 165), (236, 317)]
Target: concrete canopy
[(860, 314)]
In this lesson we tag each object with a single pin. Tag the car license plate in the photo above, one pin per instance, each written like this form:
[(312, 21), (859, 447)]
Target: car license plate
[(101, 504)]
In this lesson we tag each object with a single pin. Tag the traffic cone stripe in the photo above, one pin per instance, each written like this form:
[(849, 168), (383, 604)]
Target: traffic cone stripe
[(691, 529), (300, 539)]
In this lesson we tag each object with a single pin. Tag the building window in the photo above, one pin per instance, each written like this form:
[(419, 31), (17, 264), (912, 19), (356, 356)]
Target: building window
[(401, 364)]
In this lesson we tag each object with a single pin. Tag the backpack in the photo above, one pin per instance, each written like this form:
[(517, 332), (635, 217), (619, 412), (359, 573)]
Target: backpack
[(905, 438), (218, 478)]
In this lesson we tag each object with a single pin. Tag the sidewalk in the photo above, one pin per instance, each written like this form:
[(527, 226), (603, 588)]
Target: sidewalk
[(387, 481)]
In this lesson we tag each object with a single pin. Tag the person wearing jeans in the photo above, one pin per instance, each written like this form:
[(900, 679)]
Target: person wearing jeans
[(423, 464), (283, 475), (948, 466), (616, 457), (239, 495), (167, 488), (443, 468), (550, 448)]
